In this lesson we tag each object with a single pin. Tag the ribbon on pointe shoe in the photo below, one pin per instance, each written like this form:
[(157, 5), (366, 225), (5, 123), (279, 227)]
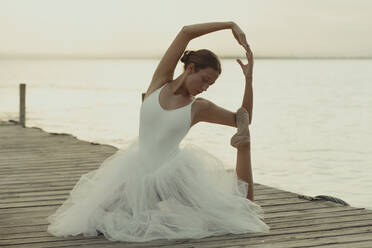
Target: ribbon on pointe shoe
[(242, 136)]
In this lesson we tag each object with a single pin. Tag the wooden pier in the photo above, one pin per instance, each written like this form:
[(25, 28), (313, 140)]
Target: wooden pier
[(38, 169)]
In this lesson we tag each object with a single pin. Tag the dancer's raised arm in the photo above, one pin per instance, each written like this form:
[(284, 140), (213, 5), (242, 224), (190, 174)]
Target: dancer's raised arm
[(248, 91), (165, 69)]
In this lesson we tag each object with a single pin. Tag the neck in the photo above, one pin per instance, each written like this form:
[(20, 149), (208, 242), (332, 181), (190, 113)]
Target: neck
[(178, 87)]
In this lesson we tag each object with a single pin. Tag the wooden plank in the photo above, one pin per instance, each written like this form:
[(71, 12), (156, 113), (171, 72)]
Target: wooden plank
[(297, 226), (10, 149), (55, 242), (35, 158), (283, 207), (284, 242), (261, 195), (51, 166), (9, 195), (333, 232), (47, 171), (39, 220), (44, 149), (311, 233), (271, 238), (292, 240), (43, 159), (42, 201), (63, 185), (44, 181), (5, 217), (285, 217), (310, 211), (356, 244), (289, 216), (45, 142), (347, 238), (32, 204), (76, 170), (299, 207), (35, 188), (37, 142), (66, 181), (42, 177), (43, 195), (251, 239)]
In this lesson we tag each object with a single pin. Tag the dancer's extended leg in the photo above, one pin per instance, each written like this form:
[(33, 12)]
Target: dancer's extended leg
[(244, 168), (241, 141)]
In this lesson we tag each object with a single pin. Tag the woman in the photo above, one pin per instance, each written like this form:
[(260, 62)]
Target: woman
[(157, 190)]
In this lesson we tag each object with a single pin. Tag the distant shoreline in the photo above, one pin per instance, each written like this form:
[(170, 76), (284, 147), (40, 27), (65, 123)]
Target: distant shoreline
[(157, 58)]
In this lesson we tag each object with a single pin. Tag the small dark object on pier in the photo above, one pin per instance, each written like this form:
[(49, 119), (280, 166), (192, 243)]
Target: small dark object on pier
[(13, 121), (61, 134), (324, 197)]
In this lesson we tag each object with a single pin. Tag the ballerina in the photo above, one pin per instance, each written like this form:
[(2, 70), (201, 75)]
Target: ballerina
[(155, 189)]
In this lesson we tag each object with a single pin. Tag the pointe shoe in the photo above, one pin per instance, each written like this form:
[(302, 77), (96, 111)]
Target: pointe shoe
[(242, 137)]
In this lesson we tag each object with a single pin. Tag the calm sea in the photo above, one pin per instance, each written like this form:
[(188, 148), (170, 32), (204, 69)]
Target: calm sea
[(312, 119)]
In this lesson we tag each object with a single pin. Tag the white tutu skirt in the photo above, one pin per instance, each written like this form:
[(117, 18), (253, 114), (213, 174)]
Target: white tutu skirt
[(188, 196)]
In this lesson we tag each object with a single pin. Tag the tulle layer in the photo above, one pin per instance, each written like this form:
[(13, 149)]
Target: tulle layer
[(129, 198)]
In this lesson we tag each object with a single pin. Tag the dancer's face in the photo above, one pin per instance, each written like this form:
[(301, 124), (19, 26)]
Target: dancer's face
[(197, 82)]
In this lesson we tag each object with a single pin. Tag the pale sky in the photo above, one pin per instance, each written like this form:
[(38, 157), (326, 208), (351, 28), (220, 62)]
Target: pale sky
[(119, 29)]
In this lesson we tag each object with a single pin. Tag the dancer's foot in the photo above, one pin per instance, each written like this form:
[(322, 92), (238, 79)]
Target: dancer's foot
[(242, 136)]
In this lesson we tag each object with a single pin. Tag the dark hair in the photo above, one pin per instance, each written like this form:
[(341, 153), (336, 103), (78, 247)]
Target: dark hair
[(202, 59)]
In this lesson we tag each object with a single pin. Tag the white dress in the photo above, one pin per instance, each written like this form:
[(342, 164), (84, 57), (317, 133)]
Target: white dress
[(156, 190)]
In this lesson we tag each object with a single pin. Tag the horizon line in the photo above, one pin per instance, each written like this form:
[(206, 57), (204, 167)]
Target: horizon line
[(64, 57)]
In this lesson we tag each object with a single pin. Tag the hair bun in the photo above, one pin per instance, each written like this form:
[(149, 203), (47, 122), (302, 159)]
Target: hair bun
[(186, 56)]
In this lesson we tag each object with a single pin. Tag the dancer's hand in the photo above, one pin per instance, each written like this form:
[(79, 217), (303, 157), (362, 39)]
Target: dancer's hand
[(248, 68), (239, 36)]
